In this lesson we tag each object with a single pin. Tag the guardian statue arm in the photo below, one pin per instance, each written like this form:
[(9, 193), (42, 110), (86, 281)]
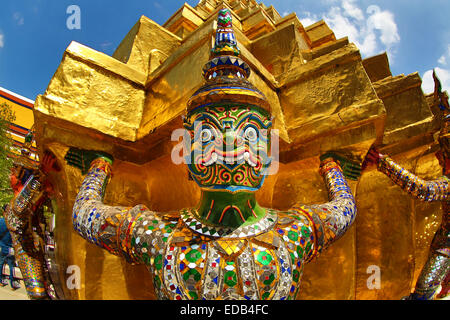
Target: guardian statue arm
[(32, 195), (331, 220), (20, 217), (28, 198), (432, 190), (109, 227)]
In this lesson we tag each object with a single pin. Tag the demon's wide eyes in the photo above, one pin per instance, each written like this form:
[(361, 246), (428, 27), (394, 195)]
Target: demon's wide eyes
[(251, 134), (206, 135)]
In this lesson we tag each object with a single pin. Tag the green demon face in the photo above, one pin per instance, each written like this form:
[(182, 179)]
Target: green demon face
[(228, 147)]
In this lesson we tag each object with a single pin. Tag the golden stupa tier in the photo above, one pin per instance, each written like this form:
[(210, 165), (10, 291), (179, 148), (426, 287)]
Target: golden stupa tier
[(323, 97)]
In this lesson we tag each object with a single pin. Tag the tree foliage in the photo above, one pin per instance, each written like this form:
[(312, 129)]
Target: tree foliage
[(6, 116)]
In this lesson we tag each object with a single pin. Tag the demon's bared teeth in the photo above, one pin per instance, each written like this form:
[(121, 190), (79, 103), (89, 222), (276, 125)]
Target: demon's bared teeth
[(209, 162), (229, 160), (248, 159), (240, 158), (212, 160), (244, 157)]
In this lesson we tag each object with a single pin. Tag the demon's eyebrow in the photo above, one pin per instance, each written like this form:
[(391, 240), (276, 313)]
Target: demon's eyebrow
[(220, 124), (205, 117), (257, 118)]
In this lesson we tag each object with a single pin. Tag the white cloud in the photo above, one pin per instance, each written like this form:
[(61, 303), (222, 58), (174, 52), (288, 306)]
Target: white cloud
[(18, 17), (443, 59), (383, 21), (329, 2), (105, 45), (373, 31), (2, 40), (352, 10), (341, 24), (308, 19), (369, 44)]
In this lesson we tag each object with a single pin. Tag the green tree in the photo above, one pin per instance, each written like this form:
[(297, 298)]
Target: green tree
[(6, 116)]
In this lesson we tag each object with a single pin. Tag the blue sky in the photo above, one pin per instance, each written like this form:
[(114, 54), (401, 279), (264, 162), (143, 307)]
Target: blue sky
[(34, 34)]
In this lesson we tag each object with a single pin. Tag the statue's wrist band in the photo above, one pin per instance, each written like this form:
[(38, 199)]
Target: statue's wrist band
[(328, 165), (101, 164), (383, 162)]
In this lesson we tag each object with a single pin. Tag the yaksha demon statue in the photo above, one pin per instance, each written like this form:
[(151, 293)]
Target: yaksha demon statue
[(228, 246), (24, 216), (433, 279)]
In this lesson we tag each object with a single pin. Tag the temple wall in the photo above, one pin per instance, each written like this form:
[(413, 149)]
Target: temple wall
[(391, 232)]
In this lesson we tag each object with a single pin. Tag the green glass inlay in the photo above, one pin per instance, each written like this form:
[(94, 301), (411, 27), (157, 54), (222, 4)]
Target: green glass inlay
[(205, 229), (158, 262), (308, 247), (265, 295), (193, 295), (296, 275), (193, 255), (292, 257), (269, 279), (157, 282), (306, 232), (230, 278), (192, 273), (293, 235), (264, 258), (146, 258), (300, 252)]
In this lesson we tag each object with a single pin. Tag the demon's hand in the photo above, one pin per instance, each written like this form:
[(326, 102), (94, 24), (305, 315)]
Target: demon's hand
[(372, 158), (82, 159), (49, 163), (351, 167)]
